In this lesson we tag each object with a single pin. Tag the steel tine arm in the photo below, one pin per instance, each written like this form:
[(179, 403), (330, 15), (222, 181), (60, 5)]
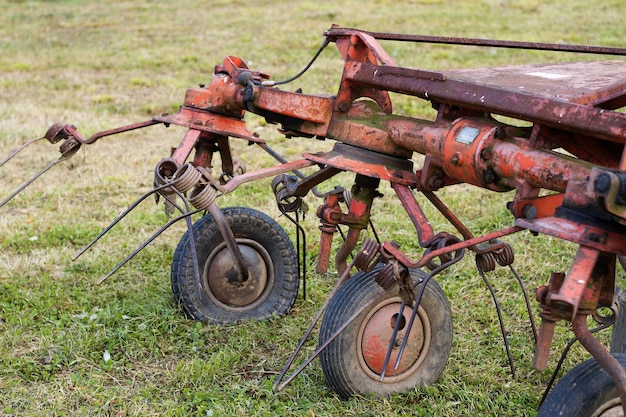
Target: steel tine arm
[(18, 150), (500, 320), (327, 342), (146, 243), (418, 299), (119, 218), (192, 242), (531, 319), (343, 278), (30, 181), (392, 341)]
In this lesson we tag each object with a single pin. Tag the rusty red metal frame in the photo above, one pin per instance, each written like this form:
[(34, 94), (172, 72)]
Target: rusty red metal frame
[(567, 169)]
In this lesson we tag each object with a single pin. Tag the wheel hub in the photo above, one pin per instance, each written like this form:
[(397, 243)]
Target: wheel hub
[(376, 332), (224, 283)]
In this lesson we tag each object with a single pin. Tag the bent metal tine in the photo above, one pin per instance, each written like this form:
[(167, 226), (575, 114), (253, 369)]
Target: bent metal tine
[(146, 243), (192, 242), (392, 341), (496, 304), (564, 354), (30, 181), (120, 217), (18, 150), (343, 278), (459, 255), (324, 345), (527, 301), (607, 361)]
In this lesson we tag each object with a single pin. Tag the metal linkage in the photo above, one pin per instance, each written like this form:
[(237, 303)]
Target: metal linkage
[(453, 257), (503, 255), (280, 384), (170, 185), (55, 134), (539, 46), (604, 323)]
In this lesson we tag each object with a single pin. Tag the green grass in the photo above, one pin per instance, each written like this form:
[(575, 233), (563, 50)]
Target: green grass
[(71, 348)]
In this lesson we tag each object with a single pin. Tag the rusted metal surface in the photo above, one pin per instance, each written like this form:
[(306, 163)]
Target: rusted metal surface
[(602, 355), (566, 167), (336, 32), (377, 331), (572, 117)]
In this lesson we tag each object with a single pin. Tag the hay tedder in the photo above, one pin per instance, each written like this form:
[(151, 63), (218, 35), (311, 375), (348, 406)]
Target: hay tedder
[(387, 327)]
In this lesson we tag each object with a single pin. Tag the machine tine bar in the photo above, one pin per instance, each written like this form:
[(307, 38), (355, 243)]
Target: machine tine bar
[(18, 150), (119, 218), (146, 243), (392, 341), (343, 278), (458, 256), (324, 345), (30, 181), (405, 339), (500, 320)]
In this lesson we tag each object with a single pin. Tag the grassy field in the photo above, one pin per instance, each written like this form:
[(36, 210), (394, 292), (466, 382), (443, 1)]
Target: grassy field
[(124, 348)]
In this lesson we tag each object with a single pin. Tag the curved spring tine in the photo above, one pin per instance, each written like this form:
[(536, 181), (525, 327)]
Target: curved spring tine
[(30, 181), (146, 243), (500, 320), (529, 310), (119, 218), (20, 149), (192, 242), (392, 340), (418, 300), (343, 278), (328, 341)]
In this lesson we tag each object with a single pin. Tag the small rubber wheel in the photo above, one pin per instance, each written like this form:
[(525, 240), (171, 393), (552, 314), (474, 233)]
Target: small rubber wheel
[(272, 284), (585, 391), (353, 362)]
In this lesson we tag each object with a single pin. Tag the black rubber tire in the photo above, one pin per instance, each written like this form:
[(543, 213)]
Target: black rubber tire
[(349, 371), (585, 391), (273, 284)]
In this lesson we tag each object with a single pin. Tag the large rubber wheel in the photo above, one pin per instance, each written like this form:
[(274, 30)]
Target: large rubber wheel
[(353, 362), (272, 284), (585, 391)]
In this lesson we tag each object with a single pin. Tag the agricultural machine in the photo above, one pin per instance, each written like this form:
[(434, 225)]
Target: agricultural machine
[(552, 133)]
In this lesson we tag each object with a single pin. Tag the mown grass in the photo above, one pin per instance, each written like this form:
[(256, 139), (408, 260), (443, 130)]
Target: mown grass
[(68, 347)]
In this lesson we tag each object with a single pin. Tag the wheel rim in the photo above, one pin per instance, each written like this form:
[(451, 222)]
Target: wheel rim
[(373, 341), (611, 408), (220, 282)]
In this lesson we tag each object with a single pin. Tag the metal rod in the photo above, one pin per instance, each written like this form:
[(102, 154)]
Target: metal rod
[(71, 130), (539, 46), (529, 309), (601, 355), (300, 247), (146, 243), (30, 181), (282, 160), (343, 278), (392, 342), (192, 242), (18, 150), (418, 300), (500, 320), (328, 341), (562, 360), (229, 239), (120, 217)]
